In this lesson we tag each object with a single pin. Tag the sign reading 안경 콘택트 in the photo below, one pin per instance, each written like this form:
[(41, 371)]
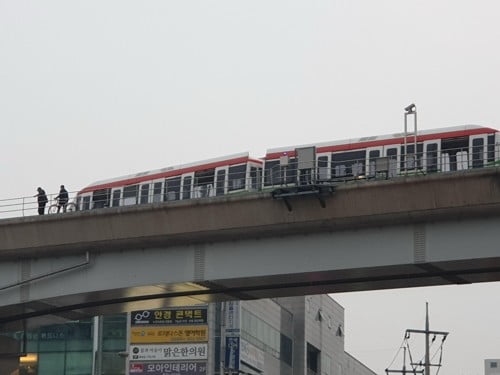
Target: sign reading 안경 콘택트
[(167, 368), (181, 315)]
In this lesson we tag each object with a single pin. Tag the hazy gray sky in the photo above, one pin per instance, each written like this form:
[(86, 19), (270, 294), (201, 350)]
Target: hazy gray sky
[(95, 89)]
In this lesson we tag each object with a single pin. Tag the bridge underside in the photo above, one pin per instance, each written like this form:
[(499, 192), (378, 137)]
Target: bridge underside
[(397, 256)]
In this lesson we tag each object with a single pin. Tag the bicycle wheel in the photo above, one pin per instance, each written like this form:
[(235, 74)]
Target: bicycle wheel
[(52, 209), (70, 207)]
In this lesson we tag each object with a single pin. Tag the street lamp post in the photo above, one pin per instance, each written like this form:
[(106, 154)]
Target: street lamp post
[(410, 110)]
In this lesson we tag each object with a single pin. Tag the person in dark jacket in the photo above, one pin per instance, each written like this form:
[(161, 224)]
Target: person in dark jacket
[(62, 199), (42, 200)]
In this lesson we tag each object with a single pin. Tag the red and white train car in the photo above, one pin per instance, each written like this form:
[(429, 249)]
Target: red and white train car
[(214, 177), (437, 150)]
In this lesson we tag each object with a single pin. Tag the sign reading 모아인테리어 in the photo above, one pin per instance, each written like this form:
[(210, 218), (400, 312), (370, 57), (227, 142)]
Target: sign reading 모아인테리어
[(178, 315), (169, 352), (167, 368)]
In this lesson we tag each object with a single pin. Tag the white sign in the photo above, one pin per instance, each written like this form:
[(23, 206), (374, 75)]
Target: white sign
[(251, 355), (169, 352), (232, 318)]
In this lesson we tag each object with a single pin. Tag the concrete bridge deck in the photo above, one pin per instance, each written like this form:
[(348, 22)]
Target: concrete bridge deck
[(410, 231)]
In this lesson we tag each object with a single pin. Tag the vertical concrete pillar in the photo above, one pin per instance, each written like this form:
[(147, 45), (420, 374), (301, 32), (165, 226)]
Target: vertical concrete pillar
[(9, 360)]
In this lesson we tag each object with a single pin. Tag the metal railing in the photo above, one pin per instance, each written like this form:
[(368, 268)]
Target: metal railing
[(331, 171), (27, 206), (386, 167)]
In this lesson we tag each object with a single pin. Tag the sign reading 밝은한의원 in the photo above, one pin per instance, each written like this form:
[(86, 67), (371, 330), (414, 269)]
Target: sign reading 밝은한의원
[(169, 352), (182, 315), (167, 368)]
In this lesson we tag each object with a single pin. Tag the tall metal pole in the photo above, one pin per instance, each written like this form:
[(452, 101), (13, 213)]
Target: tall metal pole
[(415, 134), (405, 150), (404, 361), (427, 358)]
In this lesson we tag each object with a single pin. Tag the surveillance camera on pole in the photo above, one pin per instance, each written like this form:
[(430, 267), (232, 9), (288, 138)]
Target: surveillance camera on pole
[(410, 110)]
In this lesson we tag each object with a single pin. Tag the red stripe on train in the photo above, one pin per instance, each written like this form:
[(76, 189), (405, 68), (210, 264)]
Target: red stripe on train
[(386, 142), (176, 172)]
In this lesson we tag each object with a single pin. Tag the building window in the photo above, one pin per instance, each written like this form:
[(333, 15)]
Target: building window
[(493, 364), (312, 358), (286, 349)]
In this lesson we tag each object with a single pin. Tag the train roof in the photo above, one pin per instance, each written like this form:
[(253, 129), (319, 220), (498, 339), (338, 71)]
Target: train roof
[(170, 171), (380, 140)]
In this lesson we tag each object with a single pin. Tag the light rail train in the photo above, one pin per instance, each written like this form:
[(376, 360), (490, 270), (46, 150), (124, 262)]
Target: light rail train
[(430, 151)]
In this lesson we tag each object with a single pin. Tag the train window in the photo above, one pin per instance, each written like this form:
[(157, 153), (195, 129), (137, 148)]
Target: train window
[(372, 156), (236, 177), (173, 189), (130, 194), (221, 182), (491, 148), (116, 197), (144, 193), (477, 153), (450, 147), (186, 187), (100, 198), (203, 183), (271, 172), (255, 177), (351, 163), (157, 192), (322, 168), (86, 203), (409, 160), (432, 157)]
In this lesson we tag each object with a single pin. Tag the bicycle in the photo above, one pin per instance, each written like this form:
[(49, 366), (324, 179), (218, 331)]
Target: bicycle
[(55, 208)]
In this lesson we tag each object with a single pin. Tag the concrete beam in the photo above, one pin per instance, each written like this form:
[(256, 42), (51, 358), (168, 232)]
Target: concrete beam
[(404, 200)]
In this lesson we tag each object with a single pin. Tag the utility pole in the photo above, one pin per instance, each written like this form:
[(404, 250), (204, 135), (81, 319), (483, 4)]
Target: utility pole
[(427, 332), (404, 371), (427, 362)]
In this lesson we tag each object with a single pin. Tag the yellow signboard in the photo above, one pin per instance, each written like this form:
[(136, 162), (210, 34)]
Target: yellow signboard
[(167, 334)]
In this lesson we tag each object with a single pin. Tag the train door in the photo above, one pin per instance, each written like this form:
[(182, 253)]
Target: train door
[(478, 145), (431, 161), (221, 180), (393, 153), (372, 154), (145, 193), (156, 191), (116, 197), (323, 167), (187, 185)]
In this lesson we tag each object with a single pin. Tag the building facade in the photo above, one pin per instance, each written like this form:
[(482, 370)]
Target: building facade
[(286, 336), (492, 367)]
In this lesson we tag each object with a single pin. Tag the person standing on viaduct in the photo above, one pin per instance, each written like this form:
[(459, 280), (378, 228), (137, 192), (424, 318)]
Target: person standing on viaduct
[(42, 200), (62, 199)]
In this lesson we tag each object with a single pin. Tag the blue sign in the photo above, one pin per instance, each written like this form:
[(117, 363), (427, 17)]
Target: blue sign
[(232, 358)]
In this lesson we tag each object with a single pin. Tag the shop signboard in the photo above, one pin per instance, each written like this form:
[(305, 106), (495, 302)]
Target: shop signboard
[(232, 318), (168, 334), (251, 355), (168, 368), (169, 352), (177, 315), (232, 357)]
